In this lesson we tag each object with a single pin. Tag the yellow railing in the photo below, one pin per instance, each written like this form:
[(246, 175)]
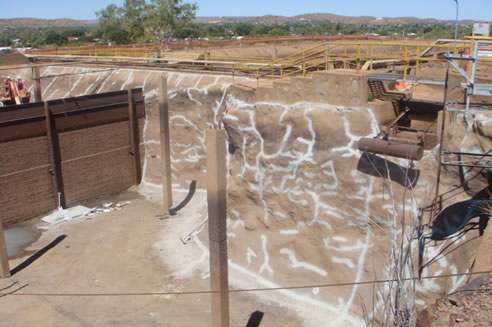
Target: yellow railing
[(358, 55)]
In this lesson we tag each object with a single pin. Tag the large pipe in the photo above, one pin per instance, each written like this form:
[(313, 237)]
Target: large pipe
[(378, 146)]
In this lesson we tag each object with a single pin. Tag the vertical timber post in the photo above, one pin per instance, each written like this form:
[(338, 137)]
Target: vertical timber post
[(37, 84), (55, 162), (4, 258), (165, 146), (217, 226), (134, 144), (53, 168), (435, 204)]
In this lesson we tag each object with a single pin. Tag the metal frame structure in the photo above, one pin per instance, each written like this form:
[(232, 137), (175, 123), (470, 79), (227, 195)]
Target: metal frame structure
[(372, 55), (471, 88)]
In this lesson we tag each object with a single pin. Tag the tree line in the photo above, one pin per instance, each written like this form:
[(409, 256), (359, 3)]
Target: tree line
[(142, 21)]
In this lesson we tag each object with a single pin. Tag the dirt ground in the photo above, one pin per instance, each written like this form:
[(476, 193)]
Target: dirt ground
[(118, 252), (469, 306)]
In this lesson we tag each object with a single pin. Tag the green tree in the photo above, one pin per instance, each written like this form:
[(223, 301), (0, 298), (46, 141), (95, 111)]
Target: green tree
[(191, 31), (243, 29), (141, 20), (166, 17), (5, 40), (133, 16), (110, 25), (279, 31), (53, 37)]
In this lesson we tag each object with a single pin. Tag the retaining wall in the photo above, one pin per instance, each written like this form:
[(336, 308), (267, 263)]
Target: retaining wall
[(93, 161)]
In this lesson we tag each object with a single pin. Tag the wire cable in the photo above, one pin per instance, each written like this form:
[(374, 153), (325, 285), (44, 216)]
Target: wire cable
[(244, 290)]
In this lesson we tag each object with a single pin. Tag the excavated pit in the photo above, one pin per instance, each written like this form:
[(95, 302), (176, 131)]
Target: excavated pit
[(305, 207)]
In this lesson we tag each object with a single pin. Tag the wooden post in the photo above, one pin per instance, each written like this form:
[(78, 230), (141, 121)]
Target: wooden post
[(217, 226), (4, 257), (37, 84), (165, 145), (134, 139), (435, 204), (54, 152)]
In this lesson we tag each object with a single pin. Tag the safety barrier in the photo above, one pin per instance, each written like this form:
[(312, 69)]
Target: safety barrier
[(361, 55)]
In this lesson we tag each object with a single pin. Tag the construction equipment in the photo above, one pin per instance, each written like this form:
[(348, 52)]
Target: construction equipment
[(13, 92)]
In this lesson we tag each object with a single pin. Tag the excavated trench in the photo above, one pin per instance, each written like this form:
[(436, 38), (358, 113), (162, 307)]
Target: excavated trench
[(305, 207)]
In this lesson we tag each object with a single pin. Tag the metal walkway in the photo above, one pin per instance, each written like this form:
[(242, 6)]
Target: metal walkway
[(411, 79)]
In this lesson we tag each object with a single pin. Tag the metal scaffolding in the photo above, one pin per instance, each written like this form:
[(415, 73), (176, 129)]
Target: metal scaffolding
[(463, 159)]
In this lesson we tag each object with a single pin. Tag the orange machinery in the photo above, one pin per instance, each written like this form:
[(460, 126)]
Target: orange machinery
[(13, 92)]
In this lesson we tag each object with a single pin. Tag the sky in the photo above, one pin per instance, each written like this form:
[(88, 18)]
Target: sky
[(480, 10)]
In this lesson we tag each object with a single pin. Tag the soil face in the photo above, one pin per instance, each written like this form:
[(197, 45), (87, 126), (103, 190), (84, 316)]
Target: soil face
[(10, 59), (118, 252)]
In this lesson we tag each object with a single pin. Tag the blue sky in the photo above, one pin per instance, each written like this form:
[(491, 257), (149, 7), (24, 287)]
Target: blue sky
[(441, 9)]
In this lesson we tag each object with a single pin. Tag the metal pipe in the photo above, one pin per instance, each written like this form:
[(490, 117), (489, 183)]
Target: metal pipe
[(469, 154), (456, 25), (465, 165), (399, 150)]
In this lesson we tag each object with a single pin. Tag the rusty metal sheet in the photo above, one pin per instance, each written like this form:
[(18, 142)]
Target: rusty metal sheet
[(89, 117), (95, 100), (28, 120), (21, 112)]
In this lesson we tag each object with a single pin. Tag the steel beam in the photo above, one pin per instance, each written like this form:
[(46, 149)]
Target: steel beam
[(28, 120)]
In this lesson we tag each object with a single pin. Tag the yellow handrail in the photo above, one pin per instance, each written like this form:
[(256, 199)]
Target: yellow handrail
[(351, 54)]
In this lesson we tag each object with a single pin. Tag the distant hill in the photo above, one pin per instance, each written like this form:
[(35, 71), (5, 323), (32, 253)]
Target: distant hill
[(318, 17), (267, 20)]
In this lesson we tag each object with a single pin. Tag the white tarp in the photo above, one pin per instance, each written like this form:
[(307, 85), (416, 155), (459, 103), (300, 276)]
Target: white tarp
[(66, 214)]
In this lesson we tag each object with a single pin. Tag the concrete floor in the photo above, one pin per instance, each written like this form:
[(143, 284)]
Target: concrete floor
[(119, 252)]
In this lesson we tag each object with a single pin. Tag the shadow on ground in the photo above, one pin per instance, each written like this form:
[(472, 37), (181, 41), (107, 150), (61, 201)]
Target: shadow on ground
[(37, 255), (373, 165), (255, 319)]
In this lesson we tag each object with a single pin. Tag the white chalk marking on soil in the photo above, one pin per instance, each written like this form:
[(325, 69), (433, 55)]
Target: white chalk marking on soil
[(344, 261), (266, 257), (289, 232), (294, 263)]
